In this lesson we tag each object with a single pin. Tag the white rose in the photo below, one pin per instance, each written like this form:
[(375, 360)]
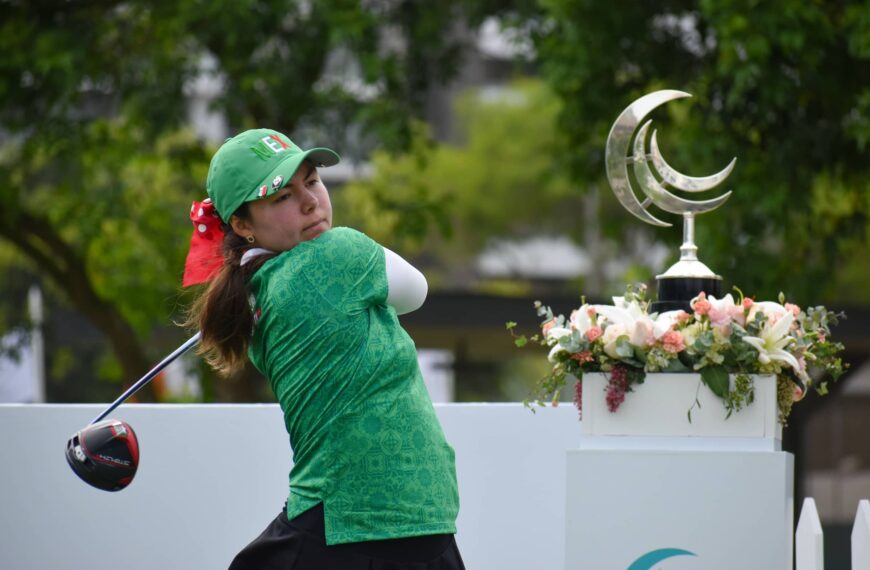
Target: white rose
[(555, 333), (555, 352), (612, 333)]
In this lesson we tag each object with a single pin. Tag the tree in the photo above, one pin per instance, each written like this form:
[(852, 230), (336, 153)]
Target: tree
[(779, 84), (449, 201), (97, 168)]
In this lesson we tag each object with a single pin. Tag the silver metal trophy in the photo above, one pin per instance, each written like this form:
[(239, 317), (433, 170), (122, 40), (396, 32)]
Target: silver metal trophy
[(689, 276)]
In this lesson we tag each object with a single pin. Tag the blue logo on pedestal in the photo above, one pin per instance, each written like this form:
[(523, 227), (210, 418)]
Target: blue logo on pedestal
[(650, 559)]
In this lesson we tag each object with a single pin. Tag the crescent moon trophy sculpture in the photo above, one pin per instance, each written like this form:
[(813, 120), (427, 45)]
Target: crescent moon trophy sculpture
[(688, 277)]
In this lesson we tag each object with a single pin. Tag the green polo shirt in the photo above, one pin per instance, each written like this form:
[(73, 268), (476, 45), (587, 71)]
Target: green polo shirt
[(366, 441)]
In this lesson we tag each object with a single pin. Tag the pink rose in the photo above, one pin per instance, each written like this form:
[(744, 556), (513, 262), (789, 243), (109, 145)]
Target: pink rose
[(747, 302), (591, 312), (582, 357), (795, 310), (701, 306), (594, 333), (672, 342), (548, 325)]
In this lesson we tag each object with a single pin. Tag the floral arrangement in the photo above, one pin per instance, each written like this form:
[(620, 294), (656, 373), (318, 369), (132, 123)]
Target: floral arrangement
[(719, 337)]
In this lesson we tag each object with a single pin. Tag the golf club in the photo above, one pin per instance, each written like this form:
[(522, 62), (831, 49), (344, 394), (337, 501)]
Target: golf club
[(105, 454)]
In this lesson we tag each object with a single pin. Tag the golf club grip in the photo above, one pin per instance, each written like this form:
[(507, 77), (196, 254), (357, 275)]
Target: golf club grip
[(190, 343)]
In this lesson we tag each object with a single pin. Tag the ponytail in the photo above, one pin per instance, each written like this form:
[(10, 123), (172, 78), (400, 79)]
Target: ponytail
[(222, 313)]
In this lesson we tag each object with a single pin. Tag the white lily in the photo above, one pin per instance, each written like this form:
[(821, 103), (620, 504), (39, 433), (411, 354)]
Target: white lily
[(724, 310), (772, 341), (621, 313), (580, 319), (634, 322), (666, 321), (770, 309)]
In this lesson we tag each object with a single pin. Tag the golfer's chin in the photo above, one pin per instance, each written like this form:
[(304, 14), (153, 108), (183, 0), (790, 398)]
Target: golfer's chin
[(314, 230)]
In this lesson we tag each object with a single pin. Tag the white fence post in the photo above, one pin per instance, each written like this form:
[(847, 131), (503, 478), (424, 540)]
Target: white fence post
[(861, 536), (809, 547)]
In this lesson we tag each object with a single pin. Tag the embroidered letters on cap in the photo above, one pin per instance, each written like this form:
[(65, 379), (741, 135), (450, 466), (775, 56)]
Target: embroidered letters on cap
[(275, 143), (269, 146)]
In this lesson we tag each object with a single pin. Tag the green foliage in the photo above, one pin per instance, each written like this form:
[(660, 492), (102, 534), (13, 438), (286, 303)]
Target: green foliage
[(716, 378), (97, 169), (780, 89), (784, 398), (62, 361), (778, 84), (503, 179), (742, 395)]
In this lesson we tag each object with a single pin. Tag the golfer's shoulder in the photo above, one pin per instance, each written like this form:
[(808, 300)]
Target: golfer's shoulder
[(340, 251), (342, 245), (347, 237)]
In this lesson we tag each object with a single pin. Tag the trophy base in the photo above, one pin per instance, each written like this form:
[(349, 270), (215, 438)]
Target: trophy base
[(675, 293)]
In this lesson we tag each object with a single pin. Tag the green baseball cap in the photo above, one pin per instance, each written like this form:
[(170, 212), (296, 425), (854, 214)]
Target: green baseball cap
[(256, 164)]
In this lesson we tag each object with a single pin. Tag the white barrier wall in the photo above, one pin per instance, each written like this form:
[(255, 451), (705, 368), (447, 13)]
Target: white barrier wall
[(211, 477)]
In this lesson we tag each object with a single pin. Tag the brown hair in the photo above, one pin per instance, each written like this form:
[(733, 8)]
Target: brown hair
[(222, 312)]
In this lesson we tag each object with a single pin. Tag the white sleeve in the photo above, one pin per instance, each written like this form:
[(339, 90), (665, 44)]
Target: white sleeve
[(406, 286)]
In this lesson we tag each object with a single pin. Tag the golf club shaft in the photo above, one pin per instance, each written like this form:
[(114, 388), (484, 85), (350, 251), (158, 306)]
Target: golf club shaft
[(191, 342)]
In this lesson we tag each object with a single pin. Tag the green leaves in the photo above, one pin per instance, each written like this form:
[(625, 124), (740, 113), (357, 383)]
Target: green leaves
[(93, 102), (785, 73), (463, 196), (521, 340), (716, 378), (742, 395)]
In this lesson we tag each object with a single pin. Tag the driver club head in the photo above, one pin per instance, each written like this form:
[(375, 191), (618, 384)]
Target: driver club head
[(104, 455)]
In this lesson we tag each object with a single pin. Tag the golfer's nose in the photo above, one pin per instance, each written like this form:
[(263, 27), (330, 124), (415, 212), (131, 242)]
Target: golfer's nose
[(309, 202)]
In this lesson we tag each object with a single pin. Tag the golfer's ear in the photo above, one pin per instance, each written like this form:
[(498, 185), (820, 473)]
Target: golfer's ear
[(240, 225)]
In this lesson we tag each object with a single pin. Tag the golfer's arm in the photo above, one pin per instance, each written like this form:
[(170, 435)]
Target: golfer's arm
[(407, 287)]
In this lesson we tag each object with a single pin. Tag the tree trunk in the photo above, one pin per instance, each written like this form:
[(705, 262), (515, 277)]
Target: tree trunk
[(38, 240)]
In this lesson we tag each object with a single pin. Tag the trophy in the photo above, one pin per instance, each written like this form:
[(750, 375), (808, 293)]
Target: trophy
[(689, 276)]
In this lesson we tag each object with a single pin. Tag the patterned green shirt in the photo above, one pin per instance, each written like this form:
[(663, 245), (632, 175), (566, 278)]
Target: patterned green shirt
[(366, 441)]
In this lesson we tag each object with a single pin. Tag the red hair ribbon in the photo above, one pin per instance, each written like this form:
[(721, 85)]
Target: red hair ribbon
[(205, 256)]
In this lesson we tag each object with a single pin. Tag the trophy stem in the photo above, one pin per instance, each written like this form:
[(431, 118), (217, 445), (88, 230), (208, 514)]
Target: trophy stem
[(686, 278), (688, 251)]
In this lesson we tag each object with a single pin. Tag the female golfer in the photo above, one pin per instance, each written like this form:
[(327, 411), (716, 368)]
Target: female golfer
[(373, 483)]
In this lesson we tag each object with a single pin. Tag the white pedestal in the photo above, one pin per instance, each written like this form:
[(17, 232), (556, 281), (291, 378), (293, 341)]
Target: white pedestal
[(728, 509), (648, 489)]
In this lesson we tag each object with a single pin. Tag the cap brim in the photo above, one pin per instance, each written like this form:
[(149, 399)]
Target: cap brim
[(321, 157)]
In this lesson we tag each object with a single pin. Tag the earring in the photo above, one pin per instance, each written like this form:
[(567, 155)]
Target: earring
[(250, 239)]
